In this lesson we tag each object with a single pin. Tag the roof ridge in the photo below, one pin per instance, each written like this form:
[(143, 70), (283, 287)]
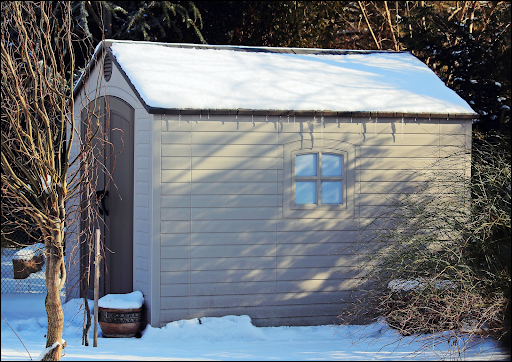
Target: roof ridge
[(262, 49)]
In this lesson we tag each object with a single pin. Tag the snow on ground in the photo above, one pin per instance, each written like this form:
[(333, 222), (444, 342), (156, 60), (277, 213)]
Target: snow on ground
[(224, 338)]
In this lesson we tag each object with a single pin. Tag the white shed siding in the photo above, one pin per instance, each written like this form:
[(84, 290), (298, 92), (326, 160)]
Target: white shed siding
[(226, 247)]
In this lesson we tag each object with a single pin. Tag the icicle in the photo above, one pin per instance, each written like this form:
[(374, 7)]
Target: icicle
[(322, 126), (402, 127)]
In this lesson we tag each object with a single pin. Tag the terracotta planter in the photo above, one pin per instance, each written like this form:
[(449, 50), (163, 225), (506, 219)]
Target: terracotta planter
[(119, 323), (23, 268)]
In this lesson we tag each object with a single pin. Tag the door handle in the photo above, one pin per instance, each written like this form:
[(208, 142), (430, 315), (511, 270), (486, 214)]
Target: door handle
[(102, 194)]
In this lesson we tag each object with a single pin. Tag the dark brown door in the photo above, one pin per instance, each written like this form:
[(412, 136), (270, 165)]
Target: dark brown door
[(119, 203), (115, 190)]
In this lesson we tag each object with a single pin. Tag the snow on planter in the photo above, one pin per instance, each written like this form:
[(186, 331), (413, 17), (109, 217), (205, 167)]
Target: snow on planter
[(131, 300)]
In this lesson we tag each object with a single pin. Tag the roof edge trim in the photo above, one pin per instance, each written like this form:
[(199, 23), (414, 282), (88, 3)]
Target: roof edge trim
[(307, 113)]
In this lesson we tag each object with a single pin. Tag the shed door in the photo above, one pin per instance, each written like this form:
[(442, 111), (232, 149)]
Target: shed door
[(117, 229)]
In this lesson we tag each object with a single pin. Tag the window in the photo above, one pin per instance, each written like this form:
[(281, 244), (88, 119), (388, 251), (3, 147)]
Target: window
[(318, 179)]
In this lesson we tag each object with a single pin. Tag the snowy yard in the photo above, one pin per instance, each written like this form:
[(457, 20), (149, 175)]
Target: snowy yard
[(225, 338)]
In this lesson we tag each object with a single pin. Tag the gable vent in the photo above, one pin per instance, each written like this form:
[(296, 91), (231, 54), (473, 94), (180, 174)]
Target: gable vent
[(107, 67)]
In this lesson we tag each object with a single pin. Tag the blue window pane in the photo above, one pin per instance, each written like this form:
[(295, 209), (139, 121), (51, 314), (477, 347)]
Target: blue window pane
[(331, 165), (330, 192), (305, 192), (305, 165)]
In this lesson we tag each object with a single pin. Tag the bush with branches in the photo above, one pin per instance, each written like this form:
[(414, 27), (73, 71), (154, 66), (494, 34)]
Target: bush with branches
[(442, 265)]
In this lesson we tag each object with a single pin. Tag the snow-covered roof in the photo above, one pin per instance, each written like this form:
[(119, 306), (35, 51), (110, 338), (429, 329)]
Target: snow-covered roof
[(202, 77)]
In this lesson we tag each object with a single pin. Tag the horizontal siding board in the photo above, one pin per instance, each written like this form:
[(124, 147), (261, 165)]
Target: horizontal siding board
[(307, 249), (409, 163), (284, 298), (174, 239), (173, 314), (390, 187), (174, 150), (174, 277), (236, 163), (232, 276), (233, 126), (394, 139), (175, 176), (233, 226), (174, 290), (404, 175), (329, 127), (409, 125), (238, 238), (234, 138), (238, 175), (176, 138), (249, 263), (321, 273), (179, 265), (236, 201), (179, 125), (318, 261), (255, 213), (174, 227), (177, 201), (237, 188), (170, 252), (313, 286), (175, 188), (223, 301), (317, 237), (172, 303), (176, 214), (320, 225), (407, 151), (175, 163), (244, 288), (235, 151), (231, 251)]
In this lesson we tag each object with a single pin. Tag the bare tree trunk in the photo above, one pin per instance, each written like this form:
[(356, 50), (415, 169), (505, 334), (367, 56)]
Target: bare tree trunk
[(55, 277), (368, 24), (388, 18)]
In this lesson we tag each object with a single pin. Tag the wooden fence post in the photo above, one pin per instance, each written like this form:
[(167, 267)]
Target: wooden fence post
[(97, 259)]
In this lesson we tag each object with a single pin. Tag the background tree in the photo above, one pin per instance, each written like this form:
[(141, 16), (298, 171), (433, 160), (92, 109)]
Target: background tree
[(41, 177)]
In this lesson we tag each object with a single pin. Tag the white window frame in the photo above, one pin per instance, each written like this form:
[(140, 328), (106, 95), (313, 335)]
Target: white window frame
[(318, 178), (346, 208)]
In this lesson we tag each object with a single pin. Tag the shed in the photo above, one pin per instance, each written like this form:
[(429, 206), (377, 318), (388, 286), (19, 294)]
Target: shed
[(245, 168)]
